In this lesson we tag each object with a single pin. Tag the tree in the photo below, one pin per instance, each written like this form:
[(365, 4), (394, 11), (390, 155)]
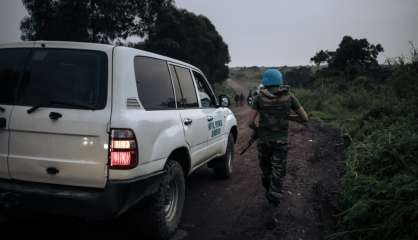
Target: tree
[(89, 20), (355, 55), (299, 77), (194, 39), (320, 57), (352, 58), (166, 29)]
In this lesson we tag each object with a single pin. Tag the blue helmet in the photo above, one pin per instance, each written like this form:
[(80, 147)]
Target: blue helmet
[(272, 77)]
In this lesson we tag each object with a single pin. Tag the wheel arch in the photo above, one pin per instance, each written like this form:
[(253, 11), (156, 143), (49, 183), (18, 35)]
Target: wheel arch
[(182, 156), (234, 131)]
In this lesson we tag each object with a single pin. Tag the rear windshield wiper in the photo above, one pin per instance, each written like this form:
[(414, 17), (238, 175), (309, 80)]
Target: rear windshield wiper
[(34, 108), (68, 104)]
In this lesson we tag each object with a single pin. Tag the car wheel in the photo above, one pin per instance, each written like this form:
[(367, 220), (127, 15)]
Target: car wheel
[(163, 210), (223, 166)]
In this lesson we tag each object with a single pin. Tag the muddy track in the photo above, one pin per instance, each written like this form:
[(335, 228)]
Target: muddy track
[(236, 86), (236, 208)]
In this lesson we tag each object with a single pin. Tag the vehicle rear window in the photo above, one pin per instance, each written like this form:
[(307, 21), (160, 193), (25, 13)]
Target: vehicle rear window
[(154, 85), (12, 62), (77, 77)]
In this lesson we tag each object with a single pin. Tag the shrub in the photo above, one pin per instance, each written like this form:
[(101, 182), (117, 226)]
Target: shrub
[(380, 196)]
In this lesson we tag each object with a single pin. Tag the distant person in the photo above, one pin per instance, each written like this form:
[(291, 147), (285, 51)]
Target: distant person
[(241, 99), (236, 98), (250, 98), (273, 106)]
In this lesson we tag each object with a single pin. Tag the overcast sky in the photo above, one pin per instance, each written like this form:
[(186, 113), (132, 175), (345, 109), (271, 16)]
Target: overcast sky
[(285, 32)]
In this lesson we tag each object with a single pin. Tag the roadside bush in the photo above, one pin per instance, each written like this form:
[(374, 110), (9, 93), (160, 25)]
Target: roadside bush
[(381, 186), (380, 196), (405, 84)]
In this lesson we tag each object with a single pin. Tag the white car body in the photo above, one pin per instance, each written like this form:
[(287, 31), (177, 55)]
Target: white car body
[(76, 146)]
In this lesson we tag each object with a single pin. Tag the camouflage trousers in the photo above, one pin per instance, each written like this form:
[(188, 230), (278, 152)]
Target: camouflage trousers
[(273, 158)]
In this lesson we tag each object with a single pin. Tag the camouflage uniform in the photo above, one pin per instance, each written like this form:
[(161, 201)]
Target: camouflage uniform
[(272, 142)]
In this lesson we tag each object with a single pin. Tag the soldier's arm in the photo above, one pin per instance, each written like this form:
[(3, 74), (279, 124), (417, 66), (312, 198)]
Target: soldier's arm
[(301, 117), (253, 117)]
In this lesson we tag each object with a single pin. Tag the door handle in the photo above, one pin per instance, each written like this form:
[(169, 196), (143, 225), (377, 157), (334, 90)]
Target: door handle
[(210, 118), (2, 123), (188, 121), (55, 116)]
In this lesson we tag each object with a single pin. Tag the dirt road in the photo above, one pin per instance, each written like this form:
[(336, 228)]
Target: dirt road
[(236, 208), (236, 86)]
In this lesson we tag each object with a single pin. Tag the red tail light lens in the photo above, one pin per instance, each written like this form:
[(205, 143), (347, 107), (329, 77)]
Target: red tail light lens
[(123, 151)]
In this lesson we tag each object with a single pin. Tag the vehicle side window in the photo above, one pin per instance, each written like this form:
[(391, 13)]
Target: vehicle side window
[(207, 98), (189, 97), (179, 95), (154, 85), (12, 62)]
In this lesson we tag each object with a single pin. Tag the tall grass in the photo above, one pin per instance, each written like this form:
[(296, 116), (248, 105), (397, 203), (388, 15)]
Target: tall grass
[(380, 196)]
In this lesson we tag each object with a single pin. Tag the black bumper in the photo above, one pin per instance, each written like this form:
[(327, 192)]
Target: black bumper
[(107, 203)]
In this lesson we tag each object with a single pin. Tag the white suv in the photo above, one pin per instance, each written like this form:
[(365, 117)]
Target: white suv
[(91, 130)]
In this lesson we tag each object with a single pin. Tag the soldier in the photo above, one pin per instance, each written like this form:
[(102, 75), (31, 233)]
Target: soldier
[(241, 99), (273, 106), (236, 98)]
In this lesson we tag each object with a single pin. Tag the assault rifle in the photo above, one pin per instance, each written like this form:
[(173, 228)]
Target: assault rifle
[(253, 138)]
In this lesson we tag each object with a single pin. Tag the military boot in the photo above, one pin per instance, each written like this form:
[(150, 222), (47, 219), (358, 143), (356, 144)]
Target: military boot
[(271, 221)]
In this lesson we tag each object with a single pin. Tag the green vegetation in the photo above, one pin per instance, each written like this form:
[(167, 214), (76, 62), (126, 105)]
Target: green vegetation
[(191, 38), (378, 112), (89, 21), (352, 57)]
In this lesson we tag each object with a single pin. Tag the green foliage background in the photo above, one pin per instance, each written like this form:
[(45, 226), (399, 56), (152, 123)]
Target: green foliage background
[(380, 119), (192, 38), (164, 29)]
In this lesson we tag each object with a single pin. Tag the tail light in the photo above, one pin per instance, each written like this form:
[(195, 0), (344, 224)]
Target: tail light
[(123, 151)]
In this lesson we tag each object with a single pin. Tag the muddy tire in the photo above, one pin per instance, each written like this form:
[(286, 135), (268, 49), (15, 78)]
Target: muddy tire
[(162, 211), (222, 167)]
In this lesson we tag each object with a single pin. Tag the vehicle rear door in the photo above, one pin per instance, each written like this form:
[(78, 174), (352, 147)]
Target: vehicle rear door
[(58, 129), (193, 118), (12, 61)]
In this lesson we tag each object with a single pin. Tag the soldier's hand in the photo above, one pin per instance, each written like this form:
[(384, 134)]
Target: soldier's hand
[(308, 126), (252, 126)]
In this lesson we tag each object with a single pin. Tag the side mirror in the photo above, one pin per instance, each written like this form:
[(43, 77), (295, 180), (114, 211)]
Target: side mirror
[(224, 101)]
